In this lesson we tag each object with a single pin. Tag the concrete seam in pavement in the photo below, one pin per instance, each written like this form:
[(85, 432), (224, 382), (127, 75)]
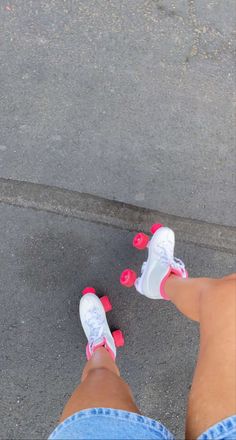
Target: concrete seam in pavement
[(117, 214)]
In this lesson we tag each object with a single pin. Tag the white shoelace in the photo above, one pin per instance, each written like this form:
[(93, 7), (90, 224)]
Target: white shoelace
[(95, 323), (165, 254), (176, 263)]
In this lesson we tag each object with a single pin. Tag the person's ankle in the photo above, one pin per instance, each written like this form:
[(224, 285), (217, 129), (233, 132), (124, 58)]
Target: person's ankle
[(170, 286), (185, 295)]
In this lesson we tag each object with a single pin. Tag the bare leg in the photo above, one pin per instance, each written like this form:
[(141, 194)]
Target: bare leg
[(212, 303), (101, 386)]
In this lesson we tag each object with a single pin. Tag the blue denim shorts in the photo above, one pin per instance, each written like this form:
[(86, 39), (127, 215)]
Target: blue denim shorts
[(112, 424)]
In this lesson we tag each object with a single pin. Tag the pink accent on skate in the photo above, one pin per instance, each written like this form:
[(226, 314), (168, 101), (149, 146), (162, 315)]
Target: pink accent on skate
[(171, 271), (140, 240), (128, 277), (162, 291), (106, 303), (88, 354), (155, 227), (179, 272), (88, 290), (95, 347), (118, 338)]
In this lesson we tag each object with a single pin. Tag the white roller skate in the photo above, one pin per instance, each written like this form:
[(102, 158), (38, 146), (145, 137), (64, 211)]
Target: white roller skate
[(159, 265), (94, 322)]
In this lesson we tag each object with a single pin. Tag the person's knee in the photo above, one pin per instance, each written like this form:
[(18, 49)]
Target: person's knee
[(101, 373)]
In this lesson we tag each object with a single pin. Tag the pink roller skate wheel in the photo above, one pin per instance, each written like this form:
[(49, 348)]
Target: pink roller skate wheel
[(118, 338), (140, 240), (106, 303), (128, 277), (155, 227), (88, 290)]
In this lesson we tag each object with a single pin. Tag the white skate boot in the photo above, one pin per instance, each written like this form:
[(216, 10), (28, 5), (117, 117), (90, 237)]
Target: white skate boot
[(159, 265), (94, 322)]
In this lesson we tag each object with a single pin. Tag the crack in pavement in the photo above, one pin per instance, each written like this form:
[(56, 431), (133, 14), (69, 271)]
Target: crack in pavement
[(201, 30), (113, 213)]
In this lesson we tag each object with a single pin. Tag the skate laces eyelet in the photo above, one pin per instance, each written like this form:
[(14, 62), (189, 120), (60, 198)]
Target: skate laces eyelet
[(95, 341), (165, 253), (178, 264)]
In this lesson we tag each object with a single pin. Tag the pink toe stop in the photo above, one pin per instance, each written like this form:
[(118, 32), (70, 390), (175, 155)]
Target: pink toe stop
[(88, 290), (155, 227)]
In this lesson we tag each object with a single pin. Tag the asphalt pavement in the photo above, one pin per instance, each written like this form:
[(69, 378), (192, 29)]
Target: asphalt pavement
[(113, 115), (127, 100), (46, 260)]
